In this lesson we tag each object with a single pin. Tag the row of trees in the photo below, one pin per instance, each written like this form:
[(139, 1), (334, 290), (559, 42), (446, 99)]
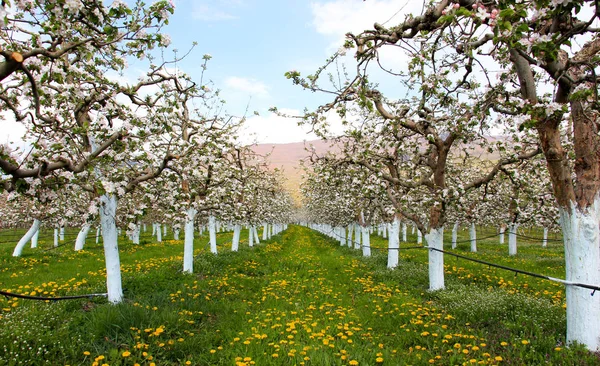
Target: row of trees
[(523, 70), (103, 141)]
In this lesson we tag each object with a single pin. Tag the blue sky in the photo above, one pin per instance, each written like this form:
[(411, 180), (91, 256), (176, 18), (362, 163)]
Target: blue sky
[(253, 43)]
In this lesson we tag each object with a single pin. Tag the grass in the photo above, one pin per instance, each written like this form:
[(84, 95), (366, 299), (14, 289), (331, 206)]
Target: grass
[(298, 299)]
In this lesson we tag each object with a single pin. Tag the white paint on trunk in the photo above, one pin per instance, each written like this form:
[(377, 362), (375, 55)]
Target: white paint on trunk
[(250, 237), (393, 243), (235, 242), (55, 237), (366, 241), (165, 229), (212, 233), (158, 233), (349, 238), (357, 235), (83, 233), (28, 235), (454, 234), (153, 229), (176, 233), (435, 239), (188, 241), (265, 231), (255, 231), (108, 214), (582, 257), (136, 233), (62, 233), (419, 236), (97, 234), (385, 231), (34, 238), (473, 237), (502, 229), (404, 240), (512, 239), (545, 238), (342, 234)]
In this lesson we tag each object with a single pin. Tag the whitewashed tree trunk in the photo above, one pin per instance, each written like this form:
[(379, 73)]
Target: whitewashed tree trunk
[(250, 237), (62, 233), (145, 227), (349, 238), (545, 238), (136, 233), (235, 243), (158, 233), (342, 235), (512, 239), (435, 239), (165, 230), (413, 230), (34, 238), (212, 233), (385, 231), (357, 236), (188, 241), (393, 243), (255, 231), (419, 237), (404, 239), (55, 237), (502, 230), (28, 235), (176, 233), (153, 229), (582, 257), (83, 233), (366, 241), (108, 214), (473, 237), (454, 235), (97, 234), (265, 231)]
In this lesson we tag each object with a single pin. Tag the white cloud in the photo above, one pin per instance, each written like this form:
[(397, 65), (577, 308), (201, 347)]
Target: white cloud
[(247, 85), (272, 128), (336, 18)]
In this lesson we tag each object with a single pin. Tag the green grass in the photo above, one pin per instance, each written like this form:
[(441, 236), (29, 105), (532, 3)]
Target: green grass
[(297, 299)]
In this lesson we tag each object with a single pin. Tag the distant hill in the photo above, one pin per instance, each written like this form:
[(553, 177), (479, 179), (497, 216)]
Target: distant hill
[(287, 157)]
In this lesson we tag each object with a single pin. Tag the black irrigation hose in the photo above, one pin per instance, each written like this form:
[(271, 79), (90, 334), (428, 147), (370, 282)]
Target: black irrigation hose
[(41, 298), (477, 239), (538, 239), (515, 270)]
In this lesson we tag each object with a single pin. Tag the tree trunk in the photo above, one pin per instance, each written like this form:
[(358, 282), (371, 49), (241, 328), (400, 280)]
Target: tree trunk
[(454, 235), (212, 234), (97, 234), (28, 235), (158, 233), (265, 231), (419, 237), (404, 232), (473, 237), (235, 243), (366, 241), (55, 237), (502, 230), (512, 239), (83, 233), (342, 235), (188, 241), (393, 243), (250, 237), (136, 233), (357, 235), (349, 238), (62, 233), (545, 238), (108, 213), (582, 257), (435, 239), (34, 238)]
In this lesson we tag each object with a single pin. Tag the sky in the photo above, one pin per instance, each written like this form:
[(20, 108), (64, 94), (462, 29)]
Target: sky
[(253, 43)]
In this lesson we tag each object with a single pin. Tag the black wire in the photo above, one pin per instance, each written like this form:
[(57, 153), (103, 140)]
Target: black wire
[(29, 297)]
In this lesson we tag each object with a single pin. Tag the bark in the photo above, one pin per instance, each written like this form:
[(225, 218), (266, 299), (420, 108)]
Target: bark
[(188, 241), (28, 235), (435, 239), (393, 243), (108, 213), (212, 233), (235, 242), (82, 236)]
